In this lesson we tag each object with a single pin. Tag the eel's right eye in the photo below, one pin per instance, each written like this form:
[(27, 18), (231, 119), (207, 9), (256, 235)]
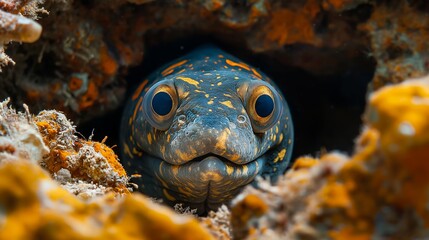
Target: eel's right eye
[(264, 105), (160, 104)]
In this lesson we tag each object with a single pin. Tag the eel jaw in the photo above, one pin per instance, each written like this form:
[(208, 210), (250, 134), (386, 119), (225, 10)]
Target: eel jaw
[(204, 183)]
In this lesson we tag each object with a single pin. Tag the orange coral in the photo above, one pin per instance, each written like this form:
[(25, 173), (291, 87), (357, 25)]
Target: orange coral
[(36, 207), (218, 223), (379, 192), (90, 97), (389, 169), (339, 5), (107, 63), (84, 160), (304, 162), (110, 156), (287, 26), (398, 39)]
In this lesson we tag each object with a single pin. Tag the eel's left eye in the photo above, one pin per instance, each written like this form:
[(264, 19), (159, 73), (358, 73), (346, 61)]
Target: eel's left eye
[(263, 105), (160, 104)]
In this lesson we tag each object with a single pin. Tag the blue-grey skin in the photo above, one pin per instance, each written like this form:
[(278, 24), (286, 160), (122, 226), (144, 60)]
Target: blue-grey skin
[(210, 146)]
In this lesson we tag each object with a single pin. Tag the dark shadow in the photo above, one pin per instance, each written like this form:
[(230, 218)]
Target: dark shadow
[(326, 110)]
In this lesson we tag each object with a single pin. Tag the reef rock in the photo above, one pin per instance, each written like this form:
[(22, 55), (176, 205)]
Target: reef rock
[(81, 62), (17, 24), (88, 197), (79, 164), (36, 207), (19, 137), (380, 192), (86, 168), (397, 31)]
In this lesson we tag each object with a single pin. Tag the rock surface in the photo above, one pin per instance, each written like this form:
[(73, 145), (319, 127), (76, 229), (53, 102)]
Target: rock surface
[(380, 192), (36, 207), (76, 188), (80, 64)]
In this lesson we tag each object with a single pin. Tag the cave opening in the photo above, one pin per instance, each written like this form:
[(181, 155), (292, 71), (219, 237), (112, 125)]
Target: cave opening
[(326, 108)]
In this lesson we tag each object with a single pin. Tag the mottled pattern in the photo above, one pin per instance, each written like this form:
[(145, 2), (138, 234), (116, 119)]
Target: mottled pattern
[(211, 145)]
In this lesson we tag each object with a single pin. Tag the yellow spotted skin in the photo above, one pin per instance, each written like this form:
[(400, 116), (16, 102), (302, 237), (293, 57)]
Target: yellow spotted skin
[(212, 146)]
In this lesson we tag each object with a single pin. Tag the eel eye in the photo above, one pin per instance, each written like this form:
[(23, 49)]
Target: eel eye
[(263, 105), (160, 104)]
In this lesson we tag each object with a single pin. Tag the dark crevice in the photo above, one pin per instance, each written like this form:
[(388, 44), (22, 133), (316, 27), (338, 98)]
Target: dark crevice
[(326, 109)]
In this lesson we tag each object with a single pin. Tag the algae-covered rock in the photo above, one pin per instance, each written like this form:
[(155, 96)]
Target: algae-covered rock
[(19, 136), (36, 207), (80, 65), (88, 197), (86, 168), (380, 192), (74, 160), (398, 31)]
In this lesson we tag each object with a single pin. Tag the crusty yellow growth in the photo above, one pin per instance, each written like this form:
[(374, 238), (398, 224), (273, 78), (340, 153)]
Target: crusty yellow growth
[(398, 35), (250, 207), (400, 114), (88, 161), (36, 207), (19, 137), (387, 179), (218, 223), (253, 203), (381, 192), (110, 156), (304, 162)]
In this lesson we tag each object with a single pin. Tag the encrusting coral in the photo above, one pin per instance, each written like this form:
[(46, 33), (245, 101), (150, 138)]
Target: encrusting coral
[(218, 223), (56, 185), (88, 200), (398, 31), (86, 168), (380, 192), (19, 136), (81, 64), (36, 207), (71, 158)]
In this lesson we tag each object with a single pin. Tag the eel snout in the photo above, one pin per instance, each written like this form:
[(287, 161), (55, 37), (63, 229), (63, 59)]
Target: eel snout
[(213, 135)]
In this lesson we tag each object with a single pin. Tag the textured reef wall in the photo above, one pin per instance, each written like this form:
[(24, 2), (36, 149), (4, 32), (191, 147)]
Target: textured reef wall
[(87, 47), (380, 192), (38, 208), (74, 188), (54, 185), (80, 62), (75, 57)]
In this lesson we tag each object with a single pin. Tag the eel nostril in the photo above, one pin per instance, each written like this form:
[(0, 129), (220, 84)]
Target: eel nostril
[(241, 118), (181, 120)]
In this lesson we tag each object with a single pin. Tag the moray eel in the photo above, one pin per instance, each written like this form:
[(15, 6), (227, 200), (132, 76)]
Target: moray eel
[(201, 128)]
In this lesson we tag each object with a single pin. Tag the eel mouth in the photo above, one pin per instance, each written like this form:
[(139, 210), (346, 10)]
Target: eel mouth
[(206, 182), (211, 155)]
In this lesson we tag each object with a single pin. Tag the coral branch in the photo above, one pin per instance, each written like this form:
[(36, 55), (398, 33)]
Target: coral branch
[(16, 24), (18, 28)]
